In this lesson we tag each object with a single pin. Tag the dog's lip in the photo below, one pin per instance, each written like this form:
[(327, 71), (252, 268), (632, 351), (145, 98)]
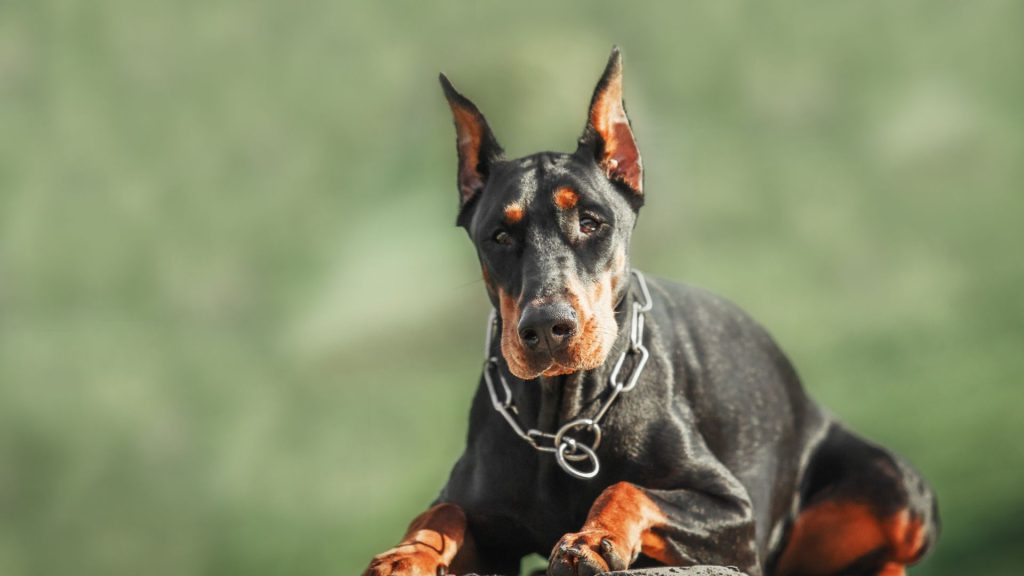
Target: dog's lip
[(553, 368), (558, 370), (549, 368), (556, 366), (546, 364)]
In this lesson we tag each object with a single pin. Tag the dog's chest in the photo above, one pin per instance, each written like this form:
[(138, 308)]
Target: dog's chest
[(515, 493)]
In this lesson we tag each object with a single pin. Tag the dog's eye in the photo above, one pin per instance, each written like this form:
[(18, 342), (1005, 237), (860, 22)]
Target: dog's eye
[(589, 225), (503, 238)]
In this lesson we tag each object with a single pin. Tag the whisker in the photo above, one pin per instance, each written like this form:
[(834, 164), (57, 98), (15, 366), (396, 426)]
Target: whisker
[(465, 285)]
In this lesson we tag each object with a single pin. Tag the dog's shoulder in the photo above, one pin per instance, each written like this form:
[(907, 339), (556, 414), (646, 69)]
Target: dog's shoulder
[(699, 307), (691, 314)]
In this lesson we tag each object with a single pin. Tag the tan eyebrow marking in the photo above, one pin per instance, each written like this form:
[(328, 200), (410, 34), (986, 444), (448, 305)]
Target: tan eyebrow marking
[(566, 198), (513, 213)]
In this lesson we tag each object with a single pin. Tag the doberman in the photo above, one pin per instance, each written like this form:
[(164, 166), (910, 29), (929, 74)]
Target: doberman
[(683, 435)]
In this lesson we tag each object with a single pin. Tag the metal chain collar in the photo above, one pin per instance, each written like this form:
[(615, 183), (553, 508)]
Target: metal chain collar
[(568, 450)]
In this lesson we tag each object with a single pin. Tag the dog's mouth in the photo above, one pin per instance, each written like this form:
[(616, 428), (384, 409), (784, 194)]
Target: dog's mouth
[(559, 365), (556, 366), (536, 364)]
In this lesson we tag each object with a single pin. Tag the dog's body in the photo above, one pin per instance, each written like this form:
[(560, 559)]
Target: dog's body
[(717, 456)]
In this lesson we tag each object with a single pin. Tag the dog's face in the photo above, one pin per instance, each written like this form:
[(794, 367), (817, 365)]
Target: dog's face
[(552, 232), (553, 247)]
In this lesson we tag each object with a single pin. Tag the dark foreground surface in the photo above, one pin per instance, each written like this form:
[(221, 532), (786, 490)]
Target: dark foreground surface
[(676, 571)]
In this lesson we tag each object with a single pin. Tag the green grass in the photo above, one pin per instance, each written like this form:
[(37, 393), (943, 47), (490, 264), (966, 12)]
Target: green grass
[(239, 333)]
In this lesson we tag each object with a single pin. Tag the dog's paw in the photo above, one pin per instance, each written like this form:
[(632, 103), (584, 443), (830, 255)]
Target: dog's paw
[(589, 552), (409, 560)]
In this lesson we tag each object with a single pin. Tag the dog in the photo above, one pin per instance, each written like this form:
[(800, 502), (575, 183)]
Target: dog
[(624, 422)]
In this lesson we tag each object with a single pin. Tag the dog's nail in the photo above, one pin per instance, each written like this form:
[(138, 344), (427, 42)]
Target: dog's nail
[(574, 551), (606, 545), (442, 570)]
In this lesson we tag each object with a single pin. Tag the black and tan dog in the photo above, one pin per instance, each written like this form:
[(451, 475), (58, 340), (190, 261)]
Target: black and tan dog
[(684, 435)]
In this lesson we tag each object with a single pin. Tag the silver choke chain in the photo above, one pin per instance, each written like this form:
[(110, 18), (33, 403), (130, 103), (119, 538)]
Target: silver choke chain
[(567, 449)]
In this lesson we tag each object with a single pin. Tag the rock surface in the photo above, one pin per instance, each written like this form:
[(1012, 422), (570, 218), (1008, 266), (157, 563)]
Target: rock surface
[(672, 571), (679, 571)]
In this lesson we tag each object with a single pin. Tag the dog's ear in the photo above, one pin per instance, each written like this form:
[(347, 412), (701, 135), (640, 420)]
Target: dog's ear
[(608, 135), (476, 145)]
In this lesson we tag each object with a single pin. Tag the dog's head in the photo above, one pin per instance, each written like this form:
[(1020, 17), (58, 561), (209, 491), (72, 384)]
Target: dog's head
[(552, 231)]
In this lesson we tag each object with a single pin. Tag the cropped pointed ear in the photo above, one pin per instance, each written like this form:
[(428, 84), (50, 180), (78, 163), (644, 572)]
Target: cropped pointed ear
[(608, 135), (476, 145)]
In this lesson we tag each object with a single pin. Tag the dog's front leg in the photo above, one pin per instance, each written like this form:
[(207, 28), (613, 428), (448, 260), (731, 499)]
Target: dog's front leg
[(673, 527), (435, 541)]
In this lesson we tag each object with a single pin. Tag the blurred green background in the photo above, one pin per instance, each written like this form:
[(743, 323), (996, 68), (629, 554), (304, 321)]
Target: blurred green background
[(239, 332)]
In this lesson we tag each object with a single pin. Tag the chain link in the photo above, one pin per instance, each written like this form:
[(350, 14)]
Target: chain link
[(567, 448)]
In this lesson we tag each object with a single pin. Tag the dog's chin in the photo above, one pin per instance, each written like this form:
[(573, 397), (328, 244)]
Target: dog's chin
[(552, 367), (525, 372)]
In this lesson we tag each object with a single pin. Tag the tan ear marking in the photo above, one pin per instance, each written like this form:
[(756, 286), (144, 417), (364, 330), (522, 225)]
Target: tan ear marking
[(617, 153), (476, 145), (468, 135)]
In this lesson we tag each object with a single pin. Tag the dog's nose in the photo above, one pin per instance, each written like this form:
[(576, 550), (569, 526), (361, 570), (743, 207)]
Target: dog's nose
[(553, 324)]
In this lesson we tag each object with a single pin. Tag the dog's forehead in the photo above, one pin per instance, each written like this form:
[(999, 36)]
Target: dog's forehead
[(529, 182)]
